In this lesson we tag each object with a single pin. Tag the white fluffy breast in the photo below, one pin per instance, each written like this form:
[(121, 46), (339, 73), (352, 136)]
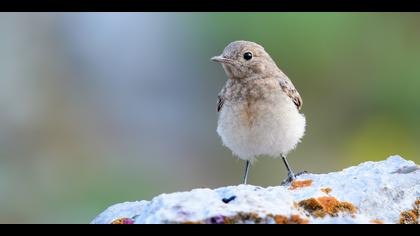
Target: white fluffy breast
[(270, 126)]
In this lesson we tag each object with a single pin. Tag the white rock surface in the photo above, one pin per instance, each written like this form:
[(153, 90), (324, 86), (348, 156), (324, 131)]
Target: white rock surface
[(379, 191)]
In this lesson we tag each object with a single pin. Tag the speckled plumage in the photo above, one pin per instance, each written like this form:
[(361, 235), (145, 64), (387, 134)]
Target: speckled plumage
[(259, 106)]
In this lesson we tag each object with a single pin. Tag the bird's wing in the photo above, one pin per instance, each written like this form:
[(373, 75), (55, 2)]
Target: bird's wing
[(221, 99), (289, 89), (220, 102)]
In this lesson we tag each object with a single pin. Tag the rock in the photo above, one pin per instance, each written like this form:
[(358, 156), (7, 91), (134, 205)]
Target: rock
[(372, 192)]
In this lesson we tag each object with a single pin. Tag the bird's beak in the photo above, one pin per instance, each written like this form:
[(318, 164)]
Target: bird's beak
[(221, 59)]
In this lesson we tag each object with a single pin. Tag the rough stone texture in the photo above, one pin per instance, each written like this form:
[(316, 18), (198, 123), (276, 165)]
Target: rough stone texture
[(372, 192)]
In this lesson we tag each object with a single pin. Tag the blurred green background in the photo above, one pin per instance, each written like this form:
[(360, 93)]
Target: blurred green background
[(101, 108)]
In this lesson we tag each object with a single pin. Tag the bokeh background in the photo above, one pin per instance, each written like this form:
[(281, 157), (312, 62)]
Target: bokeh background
[(101, 108)]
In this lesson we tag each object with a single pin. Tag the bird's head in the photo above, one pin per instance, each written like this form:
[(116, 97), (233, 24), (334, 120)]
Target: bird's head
[(242, 59)]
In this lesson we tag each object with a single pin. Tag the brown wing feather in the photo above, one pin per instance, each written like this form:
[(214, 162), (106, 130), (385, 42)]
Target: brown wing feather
[(291, 91)]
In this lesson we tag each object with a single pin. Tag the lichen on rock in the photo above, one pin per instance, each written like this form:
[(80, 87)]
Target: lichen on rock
[(372, 192), (322, 206), (326, 190), (300, 184), (122, 221), (411, 216)]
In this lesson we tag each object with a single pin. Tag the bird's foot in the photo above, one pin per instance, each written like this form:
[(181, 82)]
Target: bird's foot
[(291, 177)]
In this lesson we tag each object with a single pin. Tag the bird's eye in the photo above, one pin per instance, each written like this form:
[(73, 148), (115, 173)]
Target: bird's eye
[(248, 56)]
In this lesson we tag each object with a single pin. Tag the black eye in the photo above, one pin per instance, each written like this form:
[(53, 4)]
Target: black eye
[(248, 56)]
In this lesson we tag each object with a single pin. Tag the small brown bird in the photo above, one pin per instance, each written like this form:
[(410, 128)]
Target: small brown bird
[(258, 107)]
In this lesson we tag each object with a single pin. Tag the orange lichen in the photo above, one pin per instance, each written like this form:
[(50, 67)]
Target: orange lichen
[(122, 221), (244, 217), (296, 219), (326, 190), (377, 221), (300, 184), (411, 216), (408, 217), (293, 219), (192, 222), (322, 206), (279, 219)]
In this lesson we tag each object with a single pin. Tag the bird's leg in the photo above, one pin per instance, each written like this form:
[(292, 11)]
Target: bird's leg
[(246, 172), (290, 175)]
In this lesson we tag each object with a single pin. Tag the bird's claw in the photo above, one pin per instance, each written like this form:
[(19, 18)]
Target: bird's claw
[(291, 177)]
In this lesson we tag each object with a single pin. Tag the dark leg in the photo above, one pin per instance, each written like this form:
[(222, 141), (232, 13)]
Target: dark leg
[(290, 175), (246, 172)]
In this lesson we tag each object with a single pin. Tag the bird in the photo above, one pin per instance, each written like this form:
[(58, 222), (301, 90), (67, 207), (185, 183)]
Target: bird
[(258, 107)]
